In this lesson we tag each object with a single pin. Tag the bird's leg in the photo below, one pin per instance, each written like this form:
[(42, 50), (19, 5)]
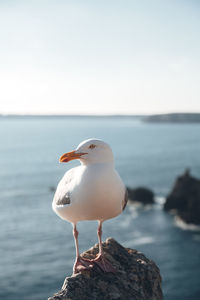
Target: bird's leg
[(99, 234), (100, 260), (75, 234), (80, 263)]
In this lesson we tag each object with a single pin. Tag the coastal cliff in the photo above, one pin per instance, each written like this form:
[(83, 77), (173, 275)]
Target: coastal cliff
[(137, 277)]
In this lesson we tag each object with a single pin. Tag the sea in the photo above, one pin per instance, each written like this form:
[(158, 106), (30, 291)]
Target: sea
[(37, 247)]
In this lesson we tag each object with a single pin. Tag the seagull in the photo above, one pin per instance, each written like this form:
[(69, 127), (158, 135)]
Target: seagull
[(90, 191)]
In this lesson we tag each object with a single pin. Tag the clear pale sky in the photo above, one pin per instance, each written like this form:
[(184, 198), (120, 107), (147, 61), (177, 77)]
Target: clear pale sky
[(99, 57)]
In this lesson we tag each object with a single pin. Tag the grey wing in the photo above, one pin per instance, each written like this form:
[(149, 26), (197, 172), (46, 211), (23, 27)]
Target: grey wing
[(63, 201), (63, 192), (125, 199)]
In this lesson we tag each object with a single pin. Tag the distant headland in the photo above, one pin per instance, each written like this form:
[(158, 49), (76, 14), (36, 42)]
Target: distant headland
[(173, 118)]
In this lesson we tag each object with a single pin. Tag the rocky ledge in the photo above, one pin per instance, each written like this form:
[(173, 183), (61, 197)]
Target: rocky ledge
[(137, 277)]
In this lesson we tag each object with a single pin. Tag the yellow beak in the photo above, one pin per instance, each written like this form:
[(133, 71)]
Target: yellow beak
[(70, 156)]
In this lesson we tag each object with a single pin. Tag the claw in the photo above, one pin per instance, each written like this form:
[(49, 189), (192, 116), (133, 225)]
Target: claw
[(104, 264), (82, 264)]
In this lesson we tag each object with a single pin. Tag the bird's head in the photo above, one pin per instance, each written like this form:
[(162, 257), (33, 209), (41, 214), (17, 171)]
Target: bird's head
[(90, 151)]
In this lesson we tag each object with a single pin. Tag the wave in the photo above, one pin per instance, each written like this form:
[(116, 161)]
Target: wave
[(183, 225), (136, 206), (133, 210), (144, 240), (160, 200)]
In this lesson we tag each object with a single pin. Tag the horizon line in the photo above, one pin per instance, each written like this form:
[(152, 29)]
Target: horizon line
[(93, 115)]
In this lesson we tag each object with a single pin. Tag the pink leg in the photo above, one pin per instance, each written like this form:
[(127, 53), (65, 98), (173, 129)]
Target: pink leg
[(75, 234), (99, 234), (100, 260), (80, 263)]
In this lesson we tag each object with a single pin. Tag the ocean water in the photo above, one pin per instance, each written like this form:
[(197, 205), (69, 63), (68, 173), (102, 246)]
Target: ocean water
[(37, 248)]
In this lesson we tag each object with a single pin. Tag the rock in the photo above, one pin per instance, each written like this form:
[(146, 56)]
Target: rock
[(185, 198), (141, 194), (52, 188), (137, 277)]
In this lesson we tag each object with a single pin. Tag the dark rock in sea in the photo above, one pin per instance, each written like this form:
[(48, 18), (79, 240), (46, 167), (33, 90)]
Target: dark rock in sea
[(52, 188), (141, 194), (185, 198), (137, 277)]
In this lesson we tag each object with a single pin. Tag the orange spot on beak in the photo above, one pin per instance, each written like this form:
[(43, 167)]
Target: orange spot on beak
[(70, 156)]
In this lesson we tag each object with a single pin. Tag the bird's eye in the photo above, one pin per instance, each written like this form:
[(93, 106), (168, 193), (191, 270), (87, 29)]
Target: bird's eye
[(92, 146)]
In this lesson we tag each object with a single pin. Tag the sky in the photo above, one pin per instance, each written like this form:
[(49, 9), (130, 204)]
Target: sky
[(99, 57)]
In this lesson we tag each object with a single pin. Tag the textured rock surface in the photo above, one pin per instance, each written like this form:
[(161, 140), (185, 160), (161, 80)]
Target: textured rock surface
[(137, 277), (141, 194), (185, 198)]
